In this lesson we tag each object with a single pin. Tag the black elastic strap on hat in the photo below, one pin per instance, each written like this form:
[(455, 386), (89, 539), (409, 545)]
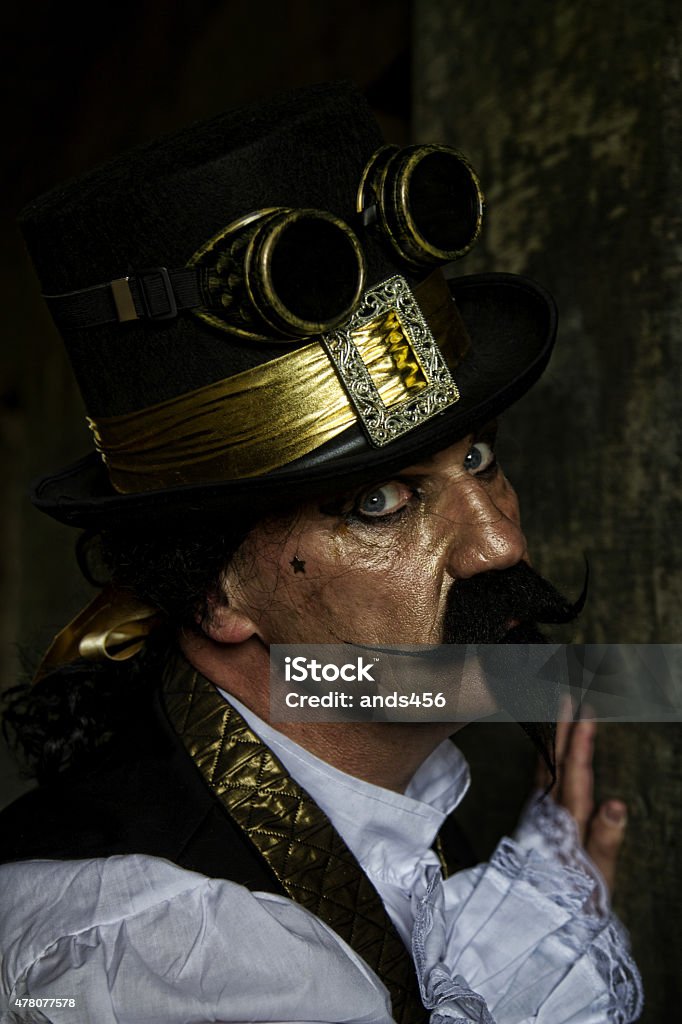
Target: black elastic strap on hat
[(152, 294)]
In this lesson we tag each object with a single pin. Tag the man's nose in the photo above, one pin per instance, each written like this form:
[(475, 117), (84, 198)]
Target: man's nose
[(486, 531)]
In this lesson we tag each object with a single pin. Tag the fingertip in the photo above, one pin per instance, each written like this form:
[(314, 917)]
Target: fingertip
[(587, 726), (614, 813)]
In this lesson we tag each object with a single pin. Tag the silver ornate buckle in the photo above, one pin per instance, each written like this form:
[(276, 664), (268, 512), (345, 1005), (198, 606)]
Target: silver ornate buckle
[(390, 311)]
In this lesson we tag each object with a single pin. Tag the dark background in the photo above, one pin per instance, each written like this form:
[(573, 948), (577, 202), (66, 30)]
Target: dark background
[(571, 114)]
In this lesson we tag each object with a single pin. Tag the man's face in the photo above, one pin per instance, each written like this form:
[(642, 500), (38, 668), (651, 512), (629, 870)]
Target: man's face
[(377, 565)]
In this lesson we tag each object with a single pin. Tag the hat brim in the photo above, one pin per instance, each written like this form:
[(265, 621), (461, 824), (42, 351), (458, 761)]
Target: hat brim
[(512, 324)]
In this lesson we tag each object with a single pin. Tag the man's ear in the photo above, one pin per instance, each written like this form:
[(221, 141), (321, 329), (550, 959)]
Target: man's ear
[(225, 623)]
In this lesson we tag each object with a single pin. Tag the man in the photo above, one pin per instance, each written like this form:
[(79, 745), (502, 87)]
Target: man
[(295, 431)]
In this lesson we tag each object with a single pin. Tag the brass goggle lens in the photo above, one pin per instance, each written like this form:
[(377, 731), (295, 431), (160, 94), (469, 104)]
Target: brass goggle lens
[(281, 274), (305, 271), (429, 203)]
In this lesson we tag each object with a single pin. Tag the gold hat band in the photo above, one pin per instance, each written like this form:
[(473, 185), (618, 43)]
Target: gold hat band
[(272, 414)]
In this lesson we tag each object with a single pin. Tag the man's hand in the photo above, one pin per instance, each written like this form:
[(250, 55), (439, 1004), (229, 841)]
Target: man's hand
[(602, 829)]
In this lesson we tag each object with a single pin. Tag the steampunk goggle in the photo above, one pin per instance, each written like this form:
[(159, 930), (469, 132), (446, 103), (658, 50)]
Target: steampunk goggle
[(425, 200), (281, 274)]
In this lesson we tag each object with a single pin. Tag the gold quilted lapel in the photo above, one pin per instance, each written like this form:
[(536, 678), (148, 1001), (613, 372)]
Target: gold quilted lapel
[(297, 840)]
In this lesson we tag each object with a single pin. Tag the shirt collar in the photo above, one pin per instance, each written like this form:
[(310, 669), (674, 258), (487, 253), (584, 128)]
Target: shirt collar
[(388, 833)]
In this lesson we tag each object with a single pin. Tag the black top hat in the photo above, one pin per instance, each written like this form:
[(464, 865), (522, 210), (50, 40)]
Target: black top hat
[(254, 311)]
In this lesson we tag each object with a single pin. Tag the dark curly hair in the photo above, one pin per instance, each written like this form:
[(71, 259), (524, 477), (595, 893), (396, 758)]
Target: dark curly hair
[(70, 715)]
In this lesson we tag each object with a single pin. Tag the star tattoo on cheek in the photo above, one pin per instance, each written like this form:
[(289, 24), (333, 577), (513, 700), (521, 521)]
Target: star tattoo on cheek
[(298, 564)]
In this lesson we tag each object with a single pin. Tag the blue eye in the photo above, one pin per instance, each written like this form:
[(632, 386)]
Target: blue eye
[(384, 500), (479, 458)]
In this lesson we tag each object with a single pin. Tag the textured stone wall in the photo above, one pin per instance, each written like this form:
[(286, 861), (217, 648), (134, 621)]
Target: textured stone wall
[(570, 111)]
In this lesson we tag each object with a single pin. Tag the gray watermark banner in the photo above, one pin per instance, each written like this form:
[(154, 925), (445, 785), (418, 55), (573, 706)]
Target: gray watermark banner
[(466, 682)]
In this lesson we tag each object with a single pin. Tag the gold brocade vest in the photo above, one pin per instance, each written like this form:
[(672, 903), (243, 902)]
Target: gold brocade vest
[(298, 842)]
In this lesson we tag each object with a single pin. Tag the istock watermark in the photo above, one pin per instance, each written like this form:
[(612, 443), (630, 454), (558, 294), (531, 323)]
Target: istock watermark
[(300, 669), (465, 682)]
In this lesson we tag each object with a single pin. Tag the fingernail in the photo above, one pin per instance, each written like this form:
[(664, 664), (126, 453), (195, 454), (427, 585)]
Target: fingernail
[(614, 813)]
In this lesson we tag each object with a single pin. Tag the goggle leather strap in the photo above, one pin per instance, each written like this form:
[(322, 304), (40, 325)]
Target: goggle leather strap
[(152, 294)]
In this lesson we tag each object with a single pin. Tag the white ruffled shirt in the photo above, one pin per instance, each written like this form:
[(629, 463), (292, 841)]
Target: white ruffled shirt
[(526, 938)]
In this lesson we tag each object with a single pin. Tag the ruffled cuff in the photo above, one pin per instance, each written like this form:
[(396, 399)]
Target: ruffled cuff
[(519, 940), (551, 831)]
